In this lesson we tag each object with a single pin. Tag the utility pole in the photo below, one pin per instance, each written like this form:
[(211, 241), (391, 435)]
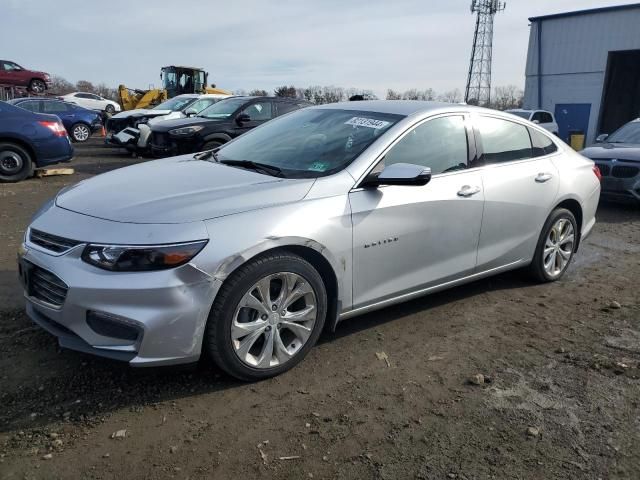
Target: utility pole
[(478, 91)]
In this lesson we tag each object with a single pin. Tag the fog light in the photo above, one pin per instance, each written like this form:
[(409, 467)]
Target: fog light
[(112, 326)]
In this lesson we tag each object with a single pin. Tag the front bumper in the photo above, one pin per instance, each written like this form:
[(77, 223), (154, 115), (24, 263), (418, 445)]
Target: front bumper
[(169, 308), (620, 179)]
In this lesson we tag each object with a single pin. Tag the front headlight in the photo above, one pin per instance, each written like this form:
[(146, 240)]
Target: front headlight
[(120, 258), (184, 131)]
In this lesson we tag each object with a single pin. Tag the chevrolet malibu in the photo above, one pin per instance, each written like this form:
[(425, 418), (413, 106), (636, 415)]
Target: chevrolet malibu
[(245, 253)]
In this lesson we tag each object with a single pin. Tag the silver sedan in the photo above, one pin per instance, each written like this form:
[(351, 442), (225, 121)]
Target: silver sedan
[(245, 253)]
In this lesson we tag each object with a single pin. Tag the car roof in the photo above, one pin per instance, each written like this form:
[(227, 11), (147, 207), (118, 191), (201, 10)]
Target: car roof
[(398, 107)]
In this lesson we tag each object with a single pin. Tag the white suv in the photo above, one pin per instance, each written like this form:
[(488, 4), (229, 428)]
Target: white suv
[(540, 117)]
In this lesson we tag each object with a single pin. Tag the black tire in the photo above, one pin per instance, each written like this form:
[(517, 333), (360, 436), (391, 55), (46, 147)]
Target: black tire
[(15, 163), (536, 268), (110, 109), (80, 132), (217, 342), (212, 145), (37, 86)]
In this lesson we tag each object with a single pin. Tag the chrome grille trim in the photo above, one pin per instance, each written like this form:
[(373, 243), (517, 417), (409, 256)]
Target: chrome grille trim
[(51, 242)]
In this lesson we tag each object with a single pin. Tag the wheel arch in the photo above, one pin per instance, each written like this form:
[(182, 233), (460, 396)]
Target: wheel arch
[(223, 137), (23, 144), (313, 252), (574, 207)]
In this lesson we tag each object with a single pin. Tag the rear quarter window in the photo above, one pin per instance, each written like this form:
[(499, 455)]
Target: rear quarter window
[(541, 143)]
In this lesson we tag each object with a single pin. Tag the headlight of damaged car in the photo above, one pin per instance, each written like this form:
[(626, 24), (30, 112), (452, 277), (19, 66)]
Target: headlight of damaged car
[(184, 131), (120, 258)]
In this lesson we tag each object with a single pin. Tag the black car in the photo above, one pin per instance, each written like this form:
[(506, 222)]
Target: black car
[(218, 124), (618, 158)]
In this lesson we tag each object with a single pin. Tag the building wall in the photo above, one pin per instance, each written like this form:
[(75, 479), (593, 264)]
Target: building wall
[(574, 58)]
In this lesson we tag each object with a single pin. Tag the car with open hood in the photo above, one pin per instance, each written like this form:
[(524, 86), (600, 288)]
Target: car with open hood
[(218, 124)]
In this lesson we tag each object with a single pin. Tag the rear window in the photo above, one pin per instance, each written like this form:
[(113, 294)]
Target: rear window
[(541, 143)]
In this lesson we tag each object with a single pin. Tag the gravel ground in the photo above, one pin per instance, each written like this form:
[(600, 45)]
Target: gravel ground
[(560, 396)]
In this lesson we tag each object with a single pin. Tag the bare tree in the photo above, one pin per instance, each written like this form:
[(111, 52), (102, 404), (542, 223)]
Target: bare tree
[(258, 93), (61, 86), (240, 92), (106, 92), (333, 94), (286, 91), (452, 96), (414, 94), (505, 98), (393, 95), (85, 86)]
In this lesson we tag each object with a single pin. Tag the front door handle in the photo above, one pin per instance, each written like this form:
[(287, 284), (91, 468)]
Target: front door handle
[(468, 191), (543, 177)]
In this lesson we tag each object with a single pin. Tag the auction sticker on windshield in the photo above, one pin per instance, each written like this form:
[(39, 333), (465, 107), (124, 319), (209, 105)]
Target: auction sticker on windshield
[(367, 122)]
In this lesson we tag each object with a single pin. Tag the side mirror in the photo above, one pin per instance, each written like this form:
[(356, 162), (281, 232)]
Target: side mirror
[(400, 174), (190, 112), (537, 122), (602, 137), (243, 118)]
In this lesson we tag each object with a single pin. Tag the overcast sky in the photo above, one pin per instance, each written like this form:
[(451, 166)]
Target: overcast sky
[(369, 44)]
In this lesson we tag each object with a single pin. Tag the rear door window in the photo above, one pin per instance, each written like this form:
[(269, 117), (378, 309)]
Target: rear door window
[(541, 143), (259, 111), (55, 107), (502, 141)]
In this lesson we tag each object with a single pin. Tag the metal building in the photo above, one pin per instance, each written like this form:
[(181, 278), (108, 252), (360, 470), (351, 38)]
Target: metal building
[(585, 67)]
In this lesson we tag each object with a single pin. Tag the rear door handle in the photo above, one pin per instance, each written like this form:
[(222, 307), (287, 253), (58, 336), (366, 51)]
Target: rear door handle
[(468, 191), (543, 177)]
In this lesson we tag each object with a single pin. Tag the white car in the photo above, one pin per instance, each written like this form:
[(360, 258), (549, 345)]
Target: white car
[(540, 117), (92, 102)]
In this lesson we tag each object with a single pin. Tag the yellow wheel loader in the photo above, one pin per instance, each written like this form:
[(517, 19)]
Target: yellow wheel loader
[(176, 80)]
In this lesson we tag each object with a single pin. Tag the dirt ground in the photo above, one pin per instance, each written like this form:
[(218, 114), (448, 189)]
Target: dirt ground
[(560, 400)]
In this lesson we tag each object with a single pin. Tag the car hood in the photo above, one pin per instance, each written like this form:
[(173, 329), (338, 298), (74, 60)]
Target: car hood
[(619, 151), (141, 112), (186, 122), (178, 190), (164, 118)]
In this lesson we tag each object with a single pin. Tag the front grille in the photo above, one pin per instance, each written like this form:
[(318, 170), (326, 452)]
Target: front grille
[(47, 287), (159, 139), (624, 171), (605, 170), (51, 242)]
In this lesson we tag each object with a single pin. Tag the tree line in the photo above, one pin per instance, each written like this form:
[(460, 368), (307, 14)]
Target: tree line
[(502, 98)]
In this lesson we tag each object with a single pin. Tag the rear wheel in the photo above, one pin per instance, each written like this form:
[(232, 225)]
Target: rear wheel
[(556, 246), (15, 163), (37, 86), (80, 132), (266, 317)]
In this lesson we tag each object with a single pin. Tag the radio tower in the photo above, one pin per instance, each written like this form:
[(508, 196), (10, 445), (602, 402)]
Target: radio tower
[(478, 91)]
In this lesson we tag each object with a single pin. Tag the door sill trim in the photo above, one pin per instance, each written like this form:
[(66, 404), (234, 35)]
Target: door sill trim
[(425, 291)]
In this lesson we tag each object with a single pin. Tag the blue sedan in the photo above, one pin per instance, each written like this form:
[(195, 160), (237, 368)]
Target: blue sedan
[(30, 140), (80, 122)]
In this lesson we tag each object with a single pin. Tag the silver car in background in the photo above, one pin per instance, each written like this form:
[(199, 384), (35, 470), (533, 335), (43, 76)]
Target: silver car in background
[(245, 253)]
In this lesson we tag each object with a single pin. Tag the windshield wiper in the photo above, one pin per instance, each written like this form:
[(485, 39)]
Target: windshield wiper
[(207, 155), (259, 167)]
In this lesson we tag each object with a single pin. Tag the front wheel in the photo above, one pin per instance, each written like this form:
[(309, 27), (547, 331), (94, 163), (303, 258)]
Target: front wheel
[(556, 246), (110, 109), (212, 145), (80, 132), (37, 86), (266, 317), (15, 163)]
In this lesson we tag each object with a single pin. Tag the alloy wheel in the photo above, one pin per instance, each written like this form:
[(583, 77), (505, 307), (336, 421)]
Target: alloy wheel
[(38, 86), (274, 320), (558, 247), (81, 133)]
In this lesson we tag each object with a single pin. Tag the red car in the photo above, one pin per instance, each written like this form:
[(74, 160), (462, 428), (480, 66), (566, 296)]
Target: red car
[(13, 74)]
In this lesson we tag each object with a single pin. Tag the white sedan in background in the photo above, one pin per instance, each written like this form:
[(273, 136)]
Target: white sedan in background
[(92, 102), (540, 117)]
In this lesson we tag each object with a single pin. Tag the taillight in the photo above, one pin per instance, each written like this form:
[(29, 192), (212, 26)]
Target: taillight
[(597, 173), (56, 127)]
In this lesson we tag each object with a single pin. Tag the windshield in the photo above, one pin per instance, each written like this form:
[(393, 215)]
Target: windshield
[(175, 104), (522, 114), (310, 143), (224, 108), (629, 133)]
